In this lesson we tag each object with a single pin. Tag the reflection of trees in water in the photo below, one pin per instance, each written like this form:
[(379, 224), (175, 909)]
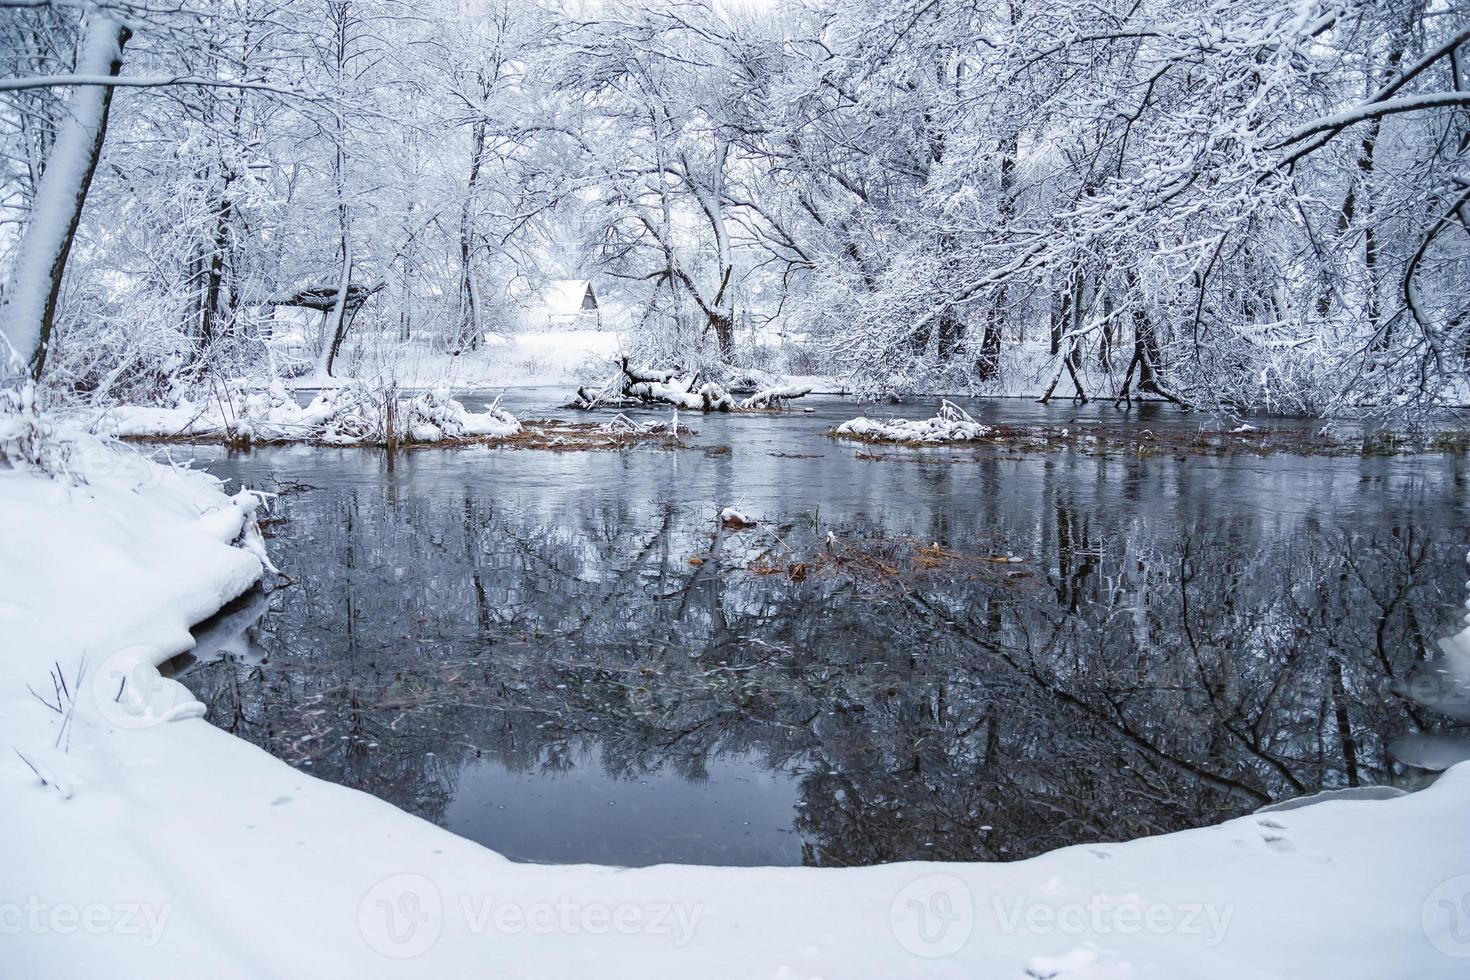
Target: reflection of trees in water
[(1131, 680)]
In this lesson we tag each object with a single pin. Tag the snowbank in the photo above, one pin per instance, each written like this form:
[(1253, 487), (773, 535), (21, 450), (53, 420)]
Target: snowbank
[(952, 424), (349, 415), (142, 841), (1442, 686)]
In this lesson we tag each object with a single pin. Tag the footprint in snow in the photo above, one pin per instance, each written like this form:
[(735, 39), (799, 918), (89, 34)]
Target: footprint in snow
[(1275, 841)]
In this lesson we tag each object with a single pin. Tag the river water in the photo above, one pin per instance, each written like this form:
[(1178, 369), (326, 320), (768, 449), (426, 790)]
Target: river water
[(918, 654)]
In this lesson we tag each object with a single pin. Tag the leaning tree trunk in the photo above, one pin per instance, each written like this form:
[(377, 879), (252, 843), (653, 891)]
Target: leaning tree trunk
[(29, 312), (721, 311), (337, 320), (951, 331)]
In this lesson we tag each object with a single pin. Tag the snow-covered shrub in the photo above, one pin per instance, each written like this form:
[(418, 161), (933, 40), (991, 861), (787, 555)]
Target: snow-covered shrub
[(349, 415), (742, 379), (26, 440), (952, 424), (110, 360), (36, 441), (803, 357), (434, 416), (355, 414)]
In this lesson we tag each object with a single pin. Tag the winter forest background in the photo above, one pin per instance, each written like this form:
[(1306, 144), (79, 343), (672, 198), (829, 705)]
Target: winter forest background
[(1247, 204)]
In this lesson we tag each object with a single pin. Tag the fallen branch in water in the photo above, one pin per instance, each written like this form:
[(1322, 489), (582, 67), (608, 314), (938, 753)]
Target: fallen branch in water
[(773, 397), (635, 386)]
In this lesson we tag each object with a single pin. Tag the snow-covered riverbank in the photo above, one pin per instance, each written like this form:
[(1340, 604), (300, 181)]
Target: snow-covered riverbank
[(352, 415), (165, 847)]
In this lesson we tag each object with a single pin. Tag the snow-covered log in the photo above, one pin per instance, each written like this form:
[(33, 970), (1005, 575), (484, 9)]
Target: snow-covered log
[(668, 394), (321, 298), (773, 397), (586, 399), (636, 374)]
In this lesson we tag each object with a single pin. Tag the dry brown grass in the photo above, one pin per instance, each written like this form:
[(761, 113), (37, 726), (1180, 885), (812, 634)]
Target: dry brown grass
[(895, 561), (548, 435)]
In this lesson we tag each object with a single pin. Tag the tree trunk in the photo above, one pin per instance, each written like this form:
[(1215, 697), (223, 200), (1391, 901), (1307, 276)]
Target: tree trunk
[(1360, 191), (210, 308), (1056, 318), (951, 332), (28, 316), (469, 302), (724, 327), (987, 366), (722, 310), (1105, 343), (949, 328)]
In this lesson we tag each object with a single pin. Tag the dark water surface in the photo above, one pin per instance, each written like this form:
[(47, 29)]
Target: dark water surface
[(565, 657)]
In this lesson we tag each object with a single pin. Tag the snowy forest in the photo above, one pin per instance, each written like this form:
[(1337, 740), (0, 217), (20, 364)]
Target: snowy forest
[(1257, 205)]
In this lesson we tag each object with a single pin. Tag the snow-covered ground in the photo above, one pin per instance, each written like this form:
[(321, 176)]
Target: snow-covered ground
[(560, 357), (525, 359), (574, 357), (142, 841)]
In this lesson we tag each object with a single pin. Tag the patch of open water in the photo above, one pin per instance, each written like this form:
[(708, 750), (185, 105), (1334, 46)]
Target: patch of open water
[(565, 657)]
